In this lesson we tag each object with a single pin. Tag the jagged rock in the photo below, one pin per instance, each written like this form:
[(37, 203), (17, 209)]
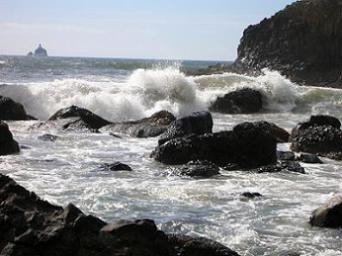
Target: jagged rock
[(48, 137), (204, 169), (250, 195), (196, 123), (246, 145), (11, 110), (31, 226), (280, 134), (80, 118), (302, 41), (286, 155), (329, 215), (7, 144), (320, 135), (117, 166), (147, 127), (290, 166), (188, 246), (243, 101), (309, 158)]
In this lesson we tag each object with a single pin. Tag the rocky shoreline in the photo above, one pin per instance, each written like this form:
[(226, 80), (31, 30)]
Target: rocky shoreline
[(31, 226), (302, 42)]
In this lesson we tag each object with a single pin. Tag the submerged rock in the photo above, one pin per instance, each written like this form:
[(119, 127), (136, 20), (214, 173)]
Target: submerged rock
[(250, 195), (117, 166), (329, 215), (11, 110), (243, 101), (31, 226), (48, 137), (204, 169), (7, 144), (80, 118), (309, 158), (246, 145), (196, 123), (320, 135), (286, 155), (302, 41), (147, 127), (290, 166)]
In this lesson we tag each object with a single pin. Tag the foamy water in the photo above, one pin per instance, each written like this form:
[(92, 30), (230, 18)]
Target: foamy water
[(67, 170)]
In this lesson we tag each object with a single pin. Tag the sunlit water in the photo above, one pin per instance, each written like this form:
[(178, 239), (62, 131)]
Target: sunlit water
[(67, 171)]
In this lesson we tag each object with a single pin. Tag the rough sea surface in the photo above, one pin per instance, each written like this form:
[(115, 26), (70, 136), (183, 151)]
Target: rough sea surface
[(67, 170)]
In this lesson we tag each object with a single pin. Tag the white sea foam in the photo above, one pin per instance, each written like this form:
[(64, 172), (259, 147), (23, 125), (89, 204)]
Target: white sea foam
[(147, 91)]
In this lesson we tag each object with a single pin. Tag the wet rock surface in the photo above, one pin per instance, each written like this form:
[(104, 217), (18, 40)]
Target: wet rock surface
[(200, 169), (80, 118), (302, 41), (243, 101), (11, 110), (147, 127), (309, 159), (330, 214), (117, 166), (31, 226), (320, 135), (246, 145), (197, 123), (48, 137), (7, 144)]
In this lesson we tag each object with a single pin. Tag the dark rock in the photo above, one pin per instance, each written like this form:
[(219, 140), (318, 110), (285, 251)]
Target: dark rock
[(31, 226), (188, 246), (48, 137), (281, 135), (310, 159), (117, 166), (11, 110), (247, 145), (251, 195), (302, 41), (197, 168), (147, 127), (329, 215), (286, 155), (320, 135), (7, 144), (81, 118), (243, 101), (197, 123), (290, 166)]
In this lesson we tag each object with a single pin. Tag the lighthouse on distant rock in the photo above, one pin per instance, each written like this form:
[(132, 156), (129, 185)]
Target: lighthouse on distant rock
[(40, 51)]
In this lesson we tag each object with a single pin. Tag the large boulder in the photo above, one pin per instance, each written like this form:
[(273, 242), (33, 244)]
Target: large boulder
[(243, 101), (147, 127), (280, 134), (196, 123), (11, 110), (320, 135), (246, 145), (7, 144), (329, 215), (31, 226), (80, 118), (303, 41)]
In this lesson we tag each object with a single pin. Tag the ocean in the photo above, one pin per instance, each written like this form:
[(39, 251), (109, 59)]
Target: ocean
[(66, 171)]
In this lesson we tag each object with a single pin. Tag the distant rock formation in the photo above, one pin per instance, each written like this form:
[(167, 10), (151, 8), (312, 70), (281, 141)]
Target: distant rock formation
[(30, 54), (40, 52), (303, 42)]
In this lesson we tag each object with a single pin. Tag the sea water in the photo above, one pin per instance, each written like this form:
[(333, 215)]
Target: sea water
[(67, 170)]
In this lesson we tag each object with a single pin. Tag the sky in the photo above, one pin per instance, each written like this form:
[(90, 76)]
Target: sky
[(162, 29)]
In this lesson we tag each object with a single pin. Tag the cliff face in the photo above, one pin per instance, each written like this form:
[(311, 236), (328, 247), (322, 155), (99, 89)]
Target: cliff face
[(303, 41)]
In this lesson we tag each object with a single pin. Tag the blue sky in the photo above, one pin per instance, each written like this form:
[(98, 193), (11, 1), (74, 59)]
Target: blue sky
[(173, 29)]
